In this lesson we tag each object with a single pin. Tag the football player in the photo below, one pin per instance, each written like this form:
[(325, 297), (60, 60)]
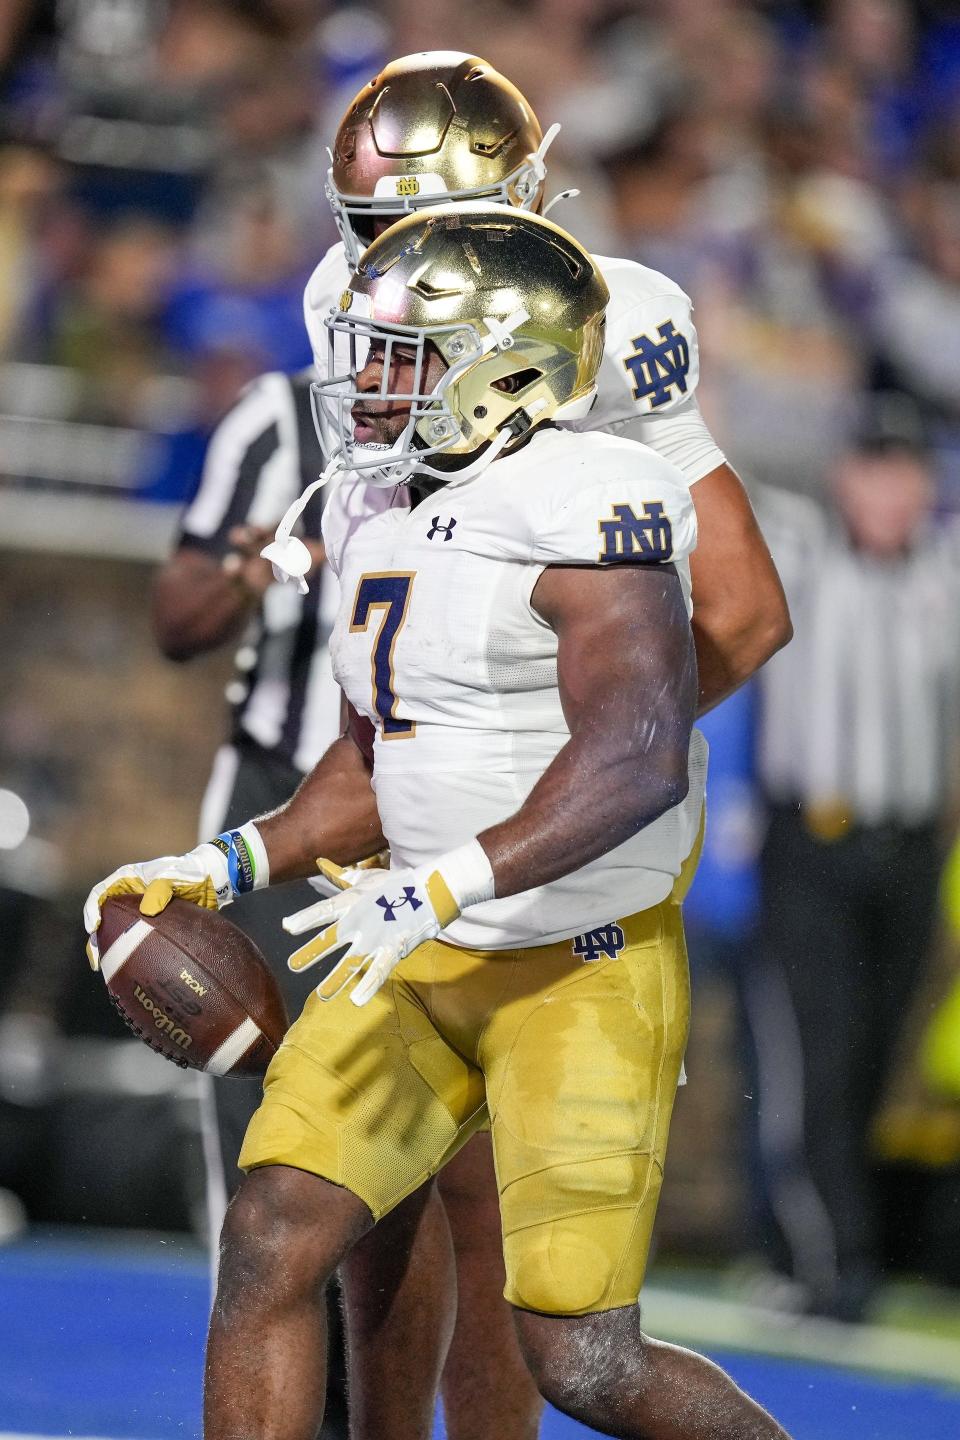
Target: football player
[(525, 658), (441, 127)]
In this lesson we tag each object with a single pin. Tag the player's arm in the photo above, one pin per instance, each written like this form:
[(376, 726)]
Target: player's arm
[(333, 813), (740, 614), (628, 684), (201, 600), (207, 591)]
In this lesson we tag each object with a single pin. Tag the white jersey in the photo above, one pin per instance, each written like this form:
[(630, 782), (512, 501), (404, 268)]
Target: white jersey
[(648, 375), (438, 644)]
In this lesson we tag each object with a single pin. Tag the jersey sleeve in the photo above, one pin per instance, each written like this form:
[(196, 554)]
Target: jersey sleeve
[(650, 372), (680, 434), (251, 471), (628, 507), (650, 369)]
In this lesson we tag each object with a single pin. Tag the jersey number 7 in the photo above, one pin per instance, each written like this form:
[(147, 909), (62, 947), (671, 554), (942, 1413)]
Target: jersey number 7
[(388, 592)]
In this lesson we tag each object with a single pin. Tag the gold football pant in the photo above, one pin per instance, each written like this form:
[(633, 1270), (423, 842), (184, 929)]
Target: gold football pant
[(572, 1049)]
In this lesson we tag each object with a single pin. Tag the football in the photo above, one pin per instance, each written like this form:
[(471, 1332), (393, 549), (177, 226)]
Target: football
[(192, 986)]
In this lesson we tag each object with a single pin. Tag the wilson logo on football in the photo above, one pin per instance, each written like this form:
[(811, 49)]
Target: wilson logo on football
[(163, 1022), (408, 185)]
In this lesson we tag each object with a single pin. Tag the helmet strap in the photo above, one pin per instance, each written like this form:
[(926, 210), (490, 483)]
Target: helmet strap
[(538, 157), (564, 195), (500, 332), (289, 557)]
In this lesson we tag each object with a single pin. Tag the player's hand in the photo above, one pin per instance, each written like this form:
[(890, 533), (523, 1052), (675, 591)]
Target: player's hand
[(211, 876), (378, 920), (335, 878)]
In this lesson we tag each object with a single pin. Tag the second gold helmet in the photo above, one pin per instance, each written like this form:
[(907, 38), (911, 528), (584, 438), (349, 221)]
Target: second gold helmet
[(435, 127)]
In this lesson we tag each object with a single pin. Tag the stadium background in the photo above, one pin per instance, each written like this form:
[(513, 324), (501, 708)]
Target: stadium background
[(797, 169)]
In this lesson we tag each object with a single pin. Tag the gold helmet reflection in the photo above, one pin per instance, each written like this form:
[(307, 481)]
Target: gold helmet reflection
[(431, 128), (515, 307)]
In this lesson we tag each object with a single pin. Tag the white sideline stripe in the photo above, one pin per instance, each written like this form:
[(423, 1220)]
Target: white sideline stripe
[(706, 1322), (226, 1056), (120, 952)]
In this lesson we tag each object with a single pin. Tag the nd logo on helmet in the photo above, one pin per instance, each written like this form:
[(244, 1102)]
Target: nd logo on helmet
[(408, 185), (346, 298)]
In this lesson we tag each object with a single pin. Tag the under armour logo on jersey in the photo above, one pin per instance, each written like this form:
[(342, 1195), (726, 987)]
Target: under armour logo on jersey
[(644, 537), (409, 897), (609, 940), (445, 530), (658, 367)]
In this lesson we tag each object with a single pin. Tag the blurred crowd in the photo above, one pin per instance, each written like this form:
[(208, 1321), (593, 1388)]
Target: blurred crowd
[(795, 167)]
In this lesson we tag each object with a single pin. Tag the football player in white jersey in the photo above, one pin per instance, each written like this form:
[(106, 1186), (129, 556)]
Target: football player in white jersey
[(514, 630), (440, 127)]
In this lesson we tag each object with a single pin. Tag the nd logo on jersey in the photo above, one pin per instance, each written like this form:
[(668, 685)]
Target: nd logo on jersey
[(408, 185), (659, 366), (644, 537), (609, 940)]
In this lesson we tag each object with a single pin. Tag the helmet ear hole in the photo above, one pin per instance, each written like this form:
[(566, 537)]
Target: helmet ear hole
[(519, 380)]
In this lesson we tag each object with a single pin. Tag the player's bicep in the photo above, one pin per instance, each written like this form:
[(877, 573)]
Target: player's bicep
[(732, 570), (625, 660)]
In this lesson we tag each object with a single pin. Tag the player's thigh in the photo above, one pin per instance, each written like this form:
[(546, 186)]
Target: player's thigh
[(581, 1078), (370, 1097)]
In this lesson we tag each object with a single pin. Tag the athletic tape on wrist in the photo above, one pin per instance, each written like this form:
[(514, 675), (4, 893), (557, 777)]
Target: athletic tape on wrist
[(467, 874), (247, 865)]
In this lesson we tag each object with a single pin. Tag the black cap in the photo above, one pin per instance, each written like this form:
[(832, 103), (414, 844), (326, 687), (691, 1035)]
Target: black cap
[(889, 422)]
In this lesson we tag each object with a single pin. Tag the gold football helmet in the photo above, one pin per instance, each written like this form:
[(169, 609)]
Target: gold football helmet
[(515, 307), (432, 128)]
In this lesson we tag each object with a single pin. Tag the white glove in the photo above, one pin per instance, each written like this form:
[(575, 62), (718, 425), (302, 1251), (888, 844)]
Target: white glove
[(335, 878), (383, 916), (211, 875)]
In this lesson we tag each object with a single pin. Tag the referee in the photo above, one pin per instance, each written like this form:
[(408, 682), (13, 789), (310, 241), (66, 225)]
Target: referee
[(858, 740), (285, 704)]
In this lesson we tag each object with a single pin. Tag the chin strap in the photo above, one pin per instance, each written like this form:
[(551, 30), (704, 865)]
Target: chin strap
[(457, 477), (288, 556), (518, 426)]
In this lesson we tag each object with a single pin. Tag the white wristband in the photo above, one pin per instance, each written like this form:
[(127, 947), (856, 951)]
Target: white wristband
[(467, 873), (261, 861), (244, 858)]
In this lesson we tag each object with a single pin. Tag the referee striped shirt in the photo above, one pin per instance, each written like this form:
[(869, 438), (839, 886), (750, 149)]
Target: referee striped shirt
[(862, 710), (261, 456)]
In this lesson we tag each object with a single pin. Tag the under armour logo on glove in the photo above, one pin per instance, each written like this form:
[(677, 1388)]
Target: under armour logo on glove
[(409, 897), (353, 923), (445, 530)]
